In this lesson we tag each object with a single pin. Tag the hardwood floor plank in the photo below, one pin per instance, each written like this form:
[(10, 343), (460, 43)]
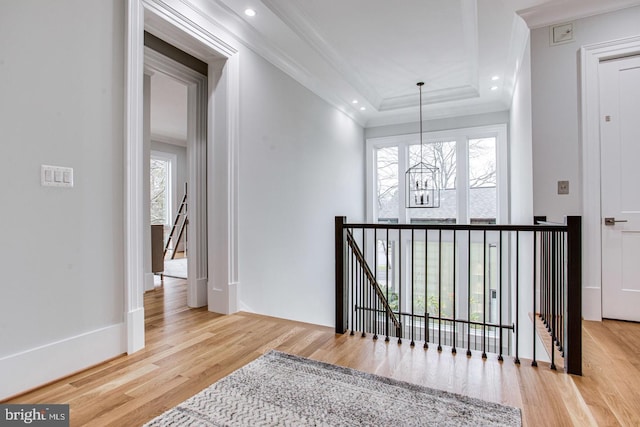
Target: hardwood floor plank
[(189, 349)]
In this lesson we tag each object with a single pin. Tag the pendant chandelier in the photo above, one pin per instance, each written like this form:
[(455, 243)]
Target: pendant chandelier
[(422, 183)]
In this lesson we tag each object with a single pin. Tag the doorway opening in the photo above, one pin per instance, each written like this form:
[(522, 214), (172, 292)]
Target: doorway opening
[(212, 244), (175, 145)]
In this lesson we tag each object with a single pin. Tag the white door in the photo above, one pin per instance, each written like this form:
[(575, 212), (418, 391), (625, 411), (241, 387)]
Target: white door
[(620, 187)]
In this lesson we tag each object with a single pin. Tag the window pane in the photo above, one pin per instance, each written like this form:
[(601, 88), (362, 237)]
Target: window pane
[(442, 155), (386, 271), (387, 173), (482, 181), (437, 283), (159, 192)]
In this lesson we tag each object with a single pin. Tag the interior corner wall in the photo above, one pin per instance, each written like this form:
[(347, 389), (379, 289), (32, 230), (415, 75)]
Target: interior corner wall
[(301, 164), (62, 291), (557, 154), (520, 146), (521, 201)]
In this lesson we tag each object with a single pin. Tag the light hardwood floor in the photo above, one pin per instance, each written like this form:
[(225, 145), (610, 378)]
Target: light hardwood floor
[(188, 349)]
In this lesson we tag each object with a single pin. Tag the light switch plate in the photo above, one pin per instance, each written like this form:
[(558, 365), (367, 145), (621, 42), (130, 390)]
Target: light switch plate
[(563, 187), (56, 176)]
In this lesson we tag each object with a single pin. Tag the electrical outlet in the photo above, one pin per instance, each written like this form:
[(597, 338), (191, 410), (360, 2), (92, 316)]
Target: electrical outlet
[(563, 187)]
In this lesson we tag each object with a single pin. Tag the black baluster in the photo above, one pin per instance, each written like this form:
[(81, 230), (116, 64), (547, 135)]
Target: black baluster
[(387, 290), (469, 293), (440, 290), (400, 328), (484, 293), (535, 250), (413, 274), (517, 359), (453, 350), (426, 288), (354, 301), (554, 266), (500, 358)]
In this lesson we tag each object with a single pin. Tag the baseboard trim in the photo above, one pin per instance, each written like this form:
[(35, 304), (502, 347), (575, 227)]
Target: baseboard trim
[(224, 301), (38, 366), (149, 280), (135, 330), (592, 303)]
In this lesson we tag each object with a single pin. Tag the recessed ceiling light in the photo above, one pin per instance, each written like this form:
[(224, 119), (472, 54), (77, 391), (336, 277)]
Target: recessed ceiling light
[(355, 101), (494, 78), (494, 87), (250, 12), (362, 108)]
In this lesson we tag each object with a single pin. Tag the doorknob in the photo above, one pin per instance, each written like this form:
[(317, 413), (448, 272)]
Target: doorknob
[(612, 221)]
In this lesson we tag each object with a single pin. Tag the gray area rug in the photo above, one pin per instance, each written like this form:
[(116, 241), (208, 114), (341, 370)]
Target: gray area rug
[(279, 389)]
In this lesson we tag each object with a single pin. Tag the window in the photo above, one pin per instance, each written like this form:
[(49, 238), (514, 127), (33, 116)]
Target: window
[(482, 181), (387, 184), (471, 174), (442, 155), (161, 187)]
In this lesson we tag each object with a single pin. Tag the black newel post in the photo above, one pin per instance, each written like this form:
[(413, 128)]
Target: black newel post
[(342, 304), (573, 349)]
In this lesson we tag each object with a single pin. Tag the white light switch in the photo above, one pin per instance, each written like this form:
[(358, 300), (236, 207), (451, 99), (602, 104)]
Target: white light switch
[(56, 176)]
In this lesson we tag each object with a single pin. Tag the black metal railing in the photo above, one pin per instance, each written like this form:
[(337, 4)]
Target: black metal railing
[(469, 287)]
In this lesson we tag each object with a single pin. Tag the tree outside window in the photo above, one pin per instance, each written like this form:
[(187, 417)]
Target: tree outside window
[(160, 180)]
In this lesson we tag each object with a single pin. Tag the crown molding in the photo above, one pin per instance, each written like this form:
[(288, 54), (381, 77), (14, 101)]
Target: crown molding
[(430, 97), (305, 29), (219, 13), (555, 12)]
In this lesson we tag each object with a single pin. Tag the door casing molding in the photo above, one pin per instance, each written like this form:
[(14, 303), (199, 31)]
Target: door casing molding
[(171, 19), (590, 58), (196, 83)]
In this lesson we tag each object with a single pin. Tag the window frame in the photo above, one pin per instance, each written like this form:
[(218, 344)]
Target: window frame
[(172, 181), (462, 137)]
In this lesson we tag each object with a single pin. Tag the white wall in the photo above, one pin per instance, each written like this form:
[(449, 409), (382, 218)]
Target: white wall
[(499, 117), (520, 146), (521, 202), (61, 103), (301, 164), (555, 107)]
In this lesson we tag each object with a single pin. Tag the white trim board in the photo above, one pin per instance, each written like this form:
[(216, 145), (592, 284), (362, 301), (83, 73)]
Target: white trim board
[(175, 23), (590, 58), (25, 370)]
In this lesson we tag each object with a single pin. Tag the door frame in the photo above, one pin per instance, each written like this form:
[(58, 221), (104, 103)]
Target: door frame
[(196, 83), (218, 224), (590, 58)]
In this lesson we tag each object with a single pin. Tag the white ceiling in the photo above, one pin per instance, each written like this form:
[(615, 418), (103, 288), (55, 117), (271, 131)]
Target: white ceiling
[(168, 110), (375, 51)]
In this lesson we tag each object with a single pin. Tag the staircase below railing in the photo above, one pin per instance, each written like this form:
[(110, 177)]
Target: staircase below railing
[(371, 287), (470, 287)]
